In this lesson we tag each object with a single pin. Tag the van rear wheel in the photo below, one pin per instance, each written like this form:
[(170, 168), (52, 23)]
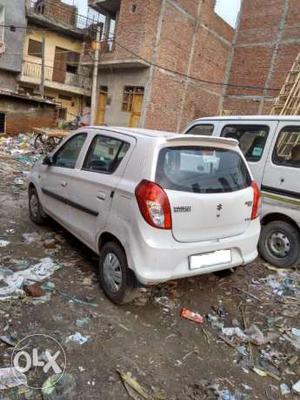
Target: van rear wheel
[(117, 280), (279, 244)]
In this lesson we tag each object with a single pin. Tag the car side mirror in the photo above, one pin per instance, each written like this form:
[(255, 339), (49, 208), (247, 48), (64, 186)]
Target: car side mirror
[(48, 160)]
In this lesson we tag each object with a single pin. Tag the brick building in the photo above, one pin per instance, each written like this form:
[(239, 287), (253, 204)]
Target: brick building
[(265, 46), (148, 47)]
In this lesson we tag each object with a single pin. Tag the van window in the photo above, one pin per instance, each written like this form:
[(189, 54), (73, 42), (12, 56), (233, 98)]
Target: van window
[(201, 169), (287, 148), (252, 139), (202, 129)]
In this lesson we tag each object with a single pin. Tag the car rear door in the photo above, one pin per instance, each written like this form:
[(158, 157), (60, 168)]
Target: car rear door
[(209, 189), (55, 178), (95, 181)]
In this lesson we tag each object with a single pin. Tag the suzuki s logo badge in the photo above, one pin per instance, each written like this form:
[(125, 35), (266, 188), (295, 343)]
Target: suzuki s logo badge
[(219, 208)]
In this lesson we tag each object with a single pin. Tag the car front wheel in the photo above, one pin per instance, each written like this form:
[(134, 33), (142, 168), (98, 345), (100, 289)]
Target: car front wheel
[(279, 244), (117, 280), (36, 212)]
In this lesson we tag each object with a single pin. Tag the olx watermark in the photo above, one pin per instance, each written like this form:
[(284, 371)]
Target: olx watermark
[(38, 357)]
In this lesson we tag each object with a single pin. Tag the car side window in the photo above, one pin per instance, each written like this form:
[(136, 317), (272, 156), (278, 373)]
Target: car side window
[(67, 155), (287, 148), (201, 129), (105, 154), (252, 139)]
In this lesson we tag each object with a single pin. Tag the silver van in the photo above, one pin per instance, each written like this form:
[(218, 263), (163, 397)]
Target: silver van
[(271, 145)]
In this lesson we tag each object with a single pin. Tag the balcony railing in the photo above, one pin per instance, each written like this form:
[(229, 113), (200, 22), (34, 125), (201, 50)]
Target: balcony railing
[(34, 71)]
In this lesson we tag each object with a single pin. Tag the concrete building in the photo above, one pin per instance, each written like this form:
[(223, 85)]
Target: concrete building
[(265, 46), (12, 13), (148, 48), (57, 35), (18, 112)]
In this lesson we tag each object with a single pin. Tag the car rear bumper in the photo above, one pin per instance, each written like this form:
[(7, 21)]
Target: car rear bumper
[(162, 259)]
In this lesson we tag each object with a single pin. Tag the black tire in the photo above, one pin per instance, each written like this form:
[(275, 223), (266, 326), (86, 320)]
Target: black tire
[(288, 237), (36, 212), (125, 291)]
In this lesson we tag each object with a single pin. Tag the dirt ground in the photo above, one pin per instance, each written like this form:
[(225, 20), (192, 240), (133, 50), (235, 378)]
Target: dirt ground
[(170, 357)]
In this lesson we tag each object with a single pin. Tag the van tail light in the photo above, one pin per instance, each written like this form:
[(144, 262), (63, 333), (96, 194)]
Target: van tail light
[(154, 204), (256, 201)]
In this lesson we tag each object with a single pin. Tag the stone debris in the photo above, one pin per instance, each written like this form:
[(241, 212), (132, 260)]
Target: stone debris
[(14, 282)]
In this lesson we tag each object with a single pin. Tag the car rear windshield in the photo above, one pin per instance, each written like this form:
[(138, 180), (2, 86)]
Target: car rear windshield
[(201, 169)]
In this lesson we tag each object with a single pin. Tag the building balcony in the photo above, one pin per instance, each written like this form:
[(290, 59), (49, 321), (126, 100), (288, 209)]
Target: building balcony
[(106, 7), (54, 79), (59, 16)]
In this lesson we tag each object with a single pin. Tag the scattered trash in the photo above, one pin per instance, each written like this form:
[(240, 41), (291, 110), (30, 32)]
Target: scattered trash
[(78, 338), (192, 316), (293, 360), (259, 371), (10, 377), (215, 322), (8, 340), (296, 387), (4, 243), (131, 384), (30, 238), (62, 389), (19, 181), (235, 331), (48, 286), (253, 334), (15, 281), (49, 243), (76, 300), (284, 389), (81, 322), (294, 337), (34, 290), (165, 302)]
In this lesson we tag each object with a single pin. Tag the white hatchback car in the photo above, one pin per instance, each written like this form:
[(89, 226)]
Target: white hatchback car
[(154, 205)]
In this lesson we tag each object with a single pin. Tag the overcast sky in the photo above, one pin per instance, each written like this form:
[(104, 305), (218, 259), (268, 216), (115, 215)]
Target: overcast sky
[(227, 9)]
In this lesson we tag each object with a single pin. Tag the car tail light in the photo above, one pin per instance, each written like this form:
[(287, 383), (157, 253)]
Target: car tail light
[(154, 204), (256, 201)]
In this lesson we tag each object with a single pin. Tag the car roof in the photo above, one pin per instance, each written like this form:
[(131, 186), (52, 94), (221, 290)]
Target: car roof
[(137, 132), (165, 136), (251, 118)]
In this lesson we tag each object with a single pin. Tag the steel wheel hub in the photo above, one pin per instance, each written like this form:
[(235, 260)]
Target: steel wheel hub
[(279, 244), (112, 272)]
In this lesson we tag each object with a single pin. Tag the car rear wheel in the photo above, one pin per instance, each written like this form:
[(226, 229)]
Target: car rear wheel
[(117, 280), (279, 244), (36, 212)]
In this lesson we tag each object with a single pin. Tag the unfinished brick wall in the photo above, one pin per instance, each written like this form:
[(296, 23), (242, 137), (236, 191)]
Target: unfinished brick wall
[(22, 116), (267, 43), (191, 40), (58, 11)]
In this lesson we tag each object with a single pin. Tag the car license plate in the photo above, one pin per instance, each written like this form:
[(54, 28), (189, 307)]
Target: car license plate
[(209, 259)]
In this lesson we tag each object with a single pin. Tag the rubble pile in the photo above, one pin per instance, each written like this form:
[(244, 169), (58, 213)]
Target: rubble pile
[(20, 147)]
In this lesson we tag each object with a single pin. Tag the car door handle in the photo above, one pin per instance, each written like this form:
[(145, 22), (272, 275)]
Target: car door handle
[(101, 196), (63, 184)]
